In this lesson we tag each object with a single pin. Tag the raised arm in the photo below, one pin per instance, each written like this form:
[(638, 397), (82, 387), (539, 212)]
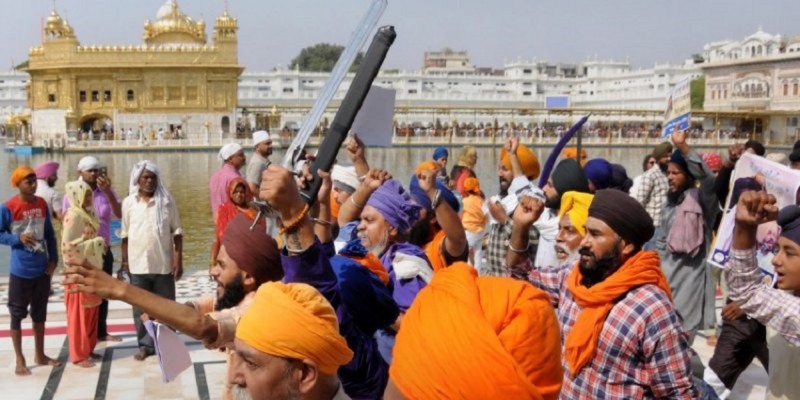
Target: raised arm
[(455, 242), (351, 209)]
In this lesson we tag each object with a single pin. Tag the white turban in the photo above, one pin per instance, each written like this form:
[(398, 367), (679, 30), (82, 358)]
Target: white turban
[(260, 136), (346, 176), (161, 195), (87, 163), (228, 150)]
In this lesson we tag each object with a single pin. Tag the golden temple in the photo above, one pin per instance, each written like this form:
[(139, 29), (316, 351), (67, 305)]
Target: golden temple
[(174, 82)]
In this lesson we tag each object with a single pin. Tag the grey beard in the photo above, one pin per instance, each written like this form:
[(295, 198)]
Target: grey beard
[(240, 393), (378, 249)]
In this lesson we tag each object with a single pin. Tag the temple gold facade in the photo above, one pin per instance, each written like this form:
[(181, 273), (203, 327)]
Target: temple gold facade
[(175, 82)]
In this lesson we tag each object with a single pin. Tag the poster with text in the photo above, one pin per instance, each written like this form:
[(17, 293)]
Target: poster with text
[(756, 173), (374, 122), (678, 111)]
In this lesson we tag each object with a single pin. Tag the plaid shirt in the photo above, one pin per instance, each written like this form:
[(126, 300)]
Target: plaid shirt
[(642, 352), (652, 193), (775, 308), (497, 247)]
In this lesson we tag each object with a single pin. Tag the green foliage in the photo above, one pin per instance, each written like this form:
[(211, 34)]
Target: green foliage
[(22, 66), (322, 57), (697, 92)]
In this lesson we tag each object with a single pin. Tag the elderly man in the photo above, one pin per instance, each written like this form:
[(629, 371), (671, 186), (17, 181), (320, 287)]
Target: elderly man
[(288, 346), (652, 190), (567, 176), (152, 242), (518, 165), (232, 157), (246, 260), (106, 207), (778, 309), (46, 178), (25, 227), (622, 336), (683, 237), (477, 337), (260, 160), (388, 214)]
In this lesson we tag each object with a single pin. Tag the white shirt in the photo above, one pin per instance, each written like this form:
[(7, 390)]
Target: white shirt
[(149, 252), (50, 196)]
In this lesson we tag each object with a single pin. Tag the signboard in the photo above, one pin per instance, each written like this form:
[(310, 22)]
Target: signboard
[(754, 172), (678, 112), (374, 121), (556, 102)]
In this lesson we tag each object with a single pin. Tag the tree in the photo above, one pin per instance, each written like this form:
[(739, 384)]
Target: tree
[(22, 66), (322, 57), (697, 91)]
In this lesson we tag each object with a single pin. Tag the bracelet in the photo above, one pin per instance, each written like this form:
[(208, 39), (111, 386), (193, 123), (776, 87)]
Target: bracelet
[(525, 250), (293, 224), (437, 197), (322, 221), (354, 202)]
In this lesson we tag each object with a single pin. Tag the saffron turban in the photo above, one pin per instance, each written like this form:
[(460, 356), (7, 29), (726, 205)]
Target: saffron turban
[(345, 178), (254, 251), (47, 170), (572, 152), (88, 163), (662, 150), (20, 173), (789, 221), (527, 160), (293, 320), (599, 172), (471, 185), (228, 150), (576, 206), (395, 205), (623, 214), (440, 152), (478, 337)]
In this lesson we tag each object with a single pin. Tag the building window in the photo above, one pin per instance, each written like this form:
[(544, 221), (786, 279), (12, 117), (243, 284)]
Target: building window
[(157, 94), (107, 95), (785, 89), (95, 95), (191, 93), (526, 93), (82, 96), (726, 93), (794, 89), (288, 90), (412, 91), (51, 98), (174, 93), (130, 96), (713, 95)]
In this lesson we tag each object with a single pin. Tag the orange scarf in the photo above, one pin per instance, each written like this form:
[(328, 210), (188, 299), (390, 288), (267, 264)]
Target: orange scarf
[(581, 344), (433, 250)]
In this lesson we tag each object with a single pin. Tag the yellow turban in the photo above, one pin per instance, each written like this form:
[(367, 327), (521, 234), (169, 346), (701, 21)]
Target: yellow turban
[(20, 173), (478, 337), (293, 320), (572, 152), (425, 166), (576, 205), (527, 159)]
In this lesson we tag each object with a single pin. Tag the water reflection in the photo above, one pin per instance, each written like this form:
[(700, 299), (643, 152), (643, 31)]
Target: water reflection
[(186, 176)]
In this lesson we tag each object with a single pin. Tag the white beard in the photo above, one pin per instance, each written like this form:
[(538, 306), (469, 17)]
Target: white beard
[(378, 249), (240, 393)]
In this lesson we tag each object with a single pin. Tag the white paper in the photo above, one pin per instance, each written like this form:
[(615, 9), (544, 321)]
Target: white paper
[(374, 123), (173, 356)]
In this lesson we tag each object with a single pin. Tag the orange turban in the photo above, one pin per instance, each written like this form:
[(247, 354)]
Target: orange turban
[(20, 173), (576, 205), (471, 185), (572, 152), (527, 159), (426, 165), (293, 320), (480, 338)]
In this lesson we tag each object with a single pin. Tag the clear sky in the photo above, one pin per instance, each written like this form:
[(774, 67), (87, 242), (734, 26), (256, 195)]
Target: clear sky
[(272, 32)]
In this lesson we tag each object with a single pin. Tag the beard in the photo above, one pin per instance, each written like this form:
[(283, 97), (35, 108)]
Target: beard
[(598, 268), (51, 182), (663, 167), (240, 393), (376, 249), (553, 202), (232, 295), (504, 185), (420, 232), (565, 255)]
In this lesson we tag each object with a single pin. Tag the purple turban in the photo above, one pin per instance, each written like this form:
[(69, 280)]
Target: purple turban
[(599, 172), (47, 170), (395, 204)]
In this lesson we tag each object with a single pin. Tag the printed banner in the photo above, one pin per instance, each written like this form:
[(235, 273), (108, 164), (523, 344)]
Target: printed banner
[(756, 173), (678, 112)]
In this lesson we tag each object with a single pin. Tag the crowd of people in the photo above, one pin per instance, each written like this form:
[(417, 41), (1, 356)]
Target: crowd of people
[(573, 281)]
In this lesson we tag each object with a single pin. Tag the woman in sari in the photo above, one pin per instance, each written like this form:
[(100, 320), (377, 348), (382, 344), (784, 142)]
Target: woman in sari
[(79, 242), (239, 198)]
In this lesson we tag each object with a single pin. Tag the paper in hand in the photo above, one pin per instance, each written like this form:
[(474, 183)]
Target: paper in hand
[(173, 356)]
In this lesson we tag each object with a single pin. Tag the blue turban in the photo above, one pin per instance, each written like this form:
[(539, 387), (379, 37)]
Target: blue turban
[(422, 198), (599, 172), (439, 153), (395, 204), (789, 221)]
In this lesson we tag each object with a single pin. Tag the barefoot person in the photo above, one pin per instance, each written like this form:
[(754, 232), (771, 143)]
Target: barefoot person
[(25, 227), (79, 241)]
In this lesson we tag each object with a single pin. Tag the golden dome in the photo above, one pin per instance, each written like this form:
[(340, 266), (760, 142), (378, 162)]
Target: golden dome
[(57, 28), (225, 20), (175, 26)]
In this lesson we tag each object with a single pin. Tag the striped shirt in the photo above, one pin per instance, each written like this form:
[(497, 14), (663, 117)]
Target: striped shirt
[(652, 193)]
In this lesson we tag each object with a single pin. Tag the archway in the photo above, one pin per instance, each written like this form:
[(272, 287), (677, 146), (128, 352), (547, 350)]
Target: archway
[(96, 126), (226, 124)]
